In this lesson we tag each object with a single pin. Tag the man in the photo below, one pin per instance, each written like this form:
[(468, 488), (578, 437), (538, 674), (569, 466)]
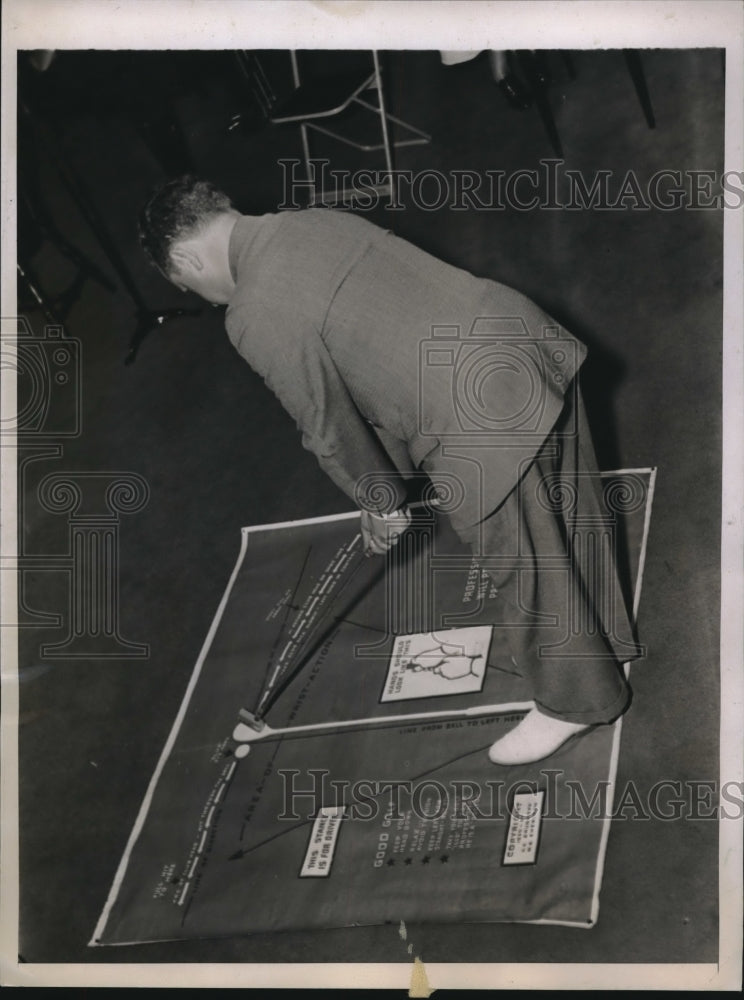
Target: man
[(391, 361)]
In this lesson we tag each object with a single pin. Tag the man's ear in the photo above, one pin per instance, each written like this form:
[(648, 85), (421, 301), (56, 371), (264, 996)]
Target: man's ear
[(186, 258)]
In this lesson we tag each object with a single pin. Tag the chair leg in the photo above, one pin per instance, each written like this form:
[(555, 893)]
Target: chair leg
[(383, 116), (535, 83), (569, 64), (303, 126), (635, 67), (32, 285)]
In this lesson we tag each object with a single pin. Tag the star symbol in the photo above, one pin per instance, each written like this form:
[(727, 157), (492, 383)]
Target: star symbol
[(391, 862), (444, 859), (408, 861), (425, 861)]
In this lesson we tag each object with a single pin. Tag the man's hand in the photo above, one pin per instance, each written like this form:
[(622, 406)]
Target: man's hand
[(380, 533)]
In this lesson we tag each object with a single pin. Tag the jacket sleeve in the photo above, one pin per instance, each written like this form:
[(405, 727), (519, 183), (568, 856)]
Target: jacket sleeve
[(302, 375)]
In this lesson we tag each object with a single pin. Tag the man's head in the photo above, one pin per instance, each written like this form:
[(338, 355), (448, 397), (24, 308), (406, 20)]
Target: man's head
[(185, 231)]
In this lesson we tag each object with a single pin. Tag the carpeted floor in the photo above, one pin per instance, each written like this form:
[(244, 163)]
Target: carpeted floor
[(643, 288)]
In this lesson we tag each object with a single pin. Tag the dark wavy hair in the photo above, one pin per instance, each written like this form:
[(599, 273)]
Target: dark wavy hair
[(176, 211)]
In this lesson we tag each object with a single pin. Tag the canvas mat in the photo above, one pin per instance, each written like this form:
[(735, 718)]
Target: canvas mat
[(368, 797)]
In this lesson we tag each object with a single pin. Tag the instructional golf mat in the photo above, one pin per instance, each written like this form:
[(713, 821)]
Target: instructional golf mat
[(328, 765)]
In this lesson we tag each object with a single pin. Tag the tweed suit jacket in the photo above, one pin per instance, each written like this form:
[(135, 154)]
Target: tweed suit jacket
[(391, 361)]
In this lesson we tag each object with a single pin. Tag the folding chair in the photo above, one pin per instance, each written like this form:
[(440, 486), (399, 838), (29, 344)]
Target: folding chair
[(328, 97)]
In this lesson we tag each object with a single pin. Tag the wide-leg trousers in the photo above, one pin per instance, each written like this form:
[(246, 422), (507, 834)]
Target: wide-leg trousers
[(550, 550)]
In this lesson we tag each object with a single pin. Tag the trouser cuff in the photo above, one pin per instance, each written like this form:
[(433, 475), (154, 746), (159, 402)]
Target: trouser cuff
[(592, 716)]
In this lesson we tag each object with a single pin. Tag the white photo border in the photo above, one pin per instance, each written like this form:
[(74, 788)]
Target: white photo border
[(426, 24)]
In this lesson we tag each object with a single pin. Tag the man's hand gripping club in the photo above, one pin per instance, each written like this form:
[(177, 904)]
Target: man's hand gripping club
[(381, 531)]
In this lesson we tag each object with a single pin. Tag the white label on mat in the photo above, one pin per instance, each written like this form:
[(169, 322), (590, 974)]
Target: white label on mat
[(434, 664), (523, 835), (322, 844)]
